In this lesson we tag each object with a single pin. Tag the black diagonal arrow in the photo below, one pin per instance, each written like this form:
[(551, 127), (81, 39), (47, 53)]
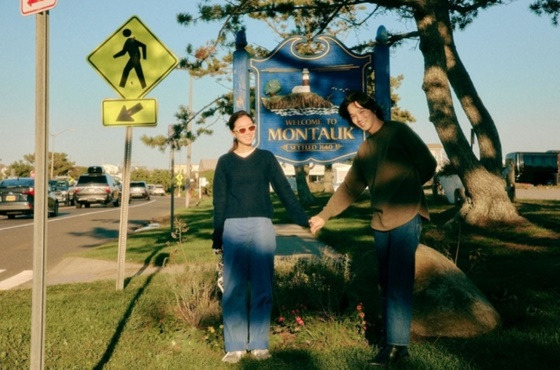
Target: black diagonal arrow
[(125, 115)]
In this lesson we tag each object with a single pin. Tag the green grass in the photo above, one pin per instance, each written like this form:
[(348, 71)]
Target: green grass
[(93, 326)]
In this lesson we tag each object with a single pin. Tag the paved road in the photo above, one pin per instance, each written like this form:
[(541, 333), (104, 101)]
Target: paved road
[(74, 230)]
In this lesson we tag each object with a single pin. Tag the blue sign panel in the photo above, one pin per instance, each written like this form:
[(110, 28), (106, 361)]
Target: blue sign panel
[(297, 99)]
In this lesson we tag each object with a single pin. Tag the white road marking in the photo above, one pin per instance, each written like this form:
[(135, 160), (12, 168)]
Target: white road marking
[(16, 280)]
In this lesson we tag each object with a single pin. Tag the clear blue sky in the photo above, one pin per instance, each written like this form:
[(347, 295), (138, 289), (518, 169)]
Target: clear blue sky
[(511, 54)]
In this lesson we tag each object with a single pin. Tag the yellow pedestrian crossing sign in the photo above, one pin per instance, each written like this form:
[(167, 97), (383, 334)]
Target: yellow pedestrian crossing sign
[(133, 60), (129, 112)]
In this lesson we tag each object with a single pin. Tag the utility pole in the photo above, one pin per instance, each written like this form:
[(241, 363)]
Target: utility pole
[(52, 148)]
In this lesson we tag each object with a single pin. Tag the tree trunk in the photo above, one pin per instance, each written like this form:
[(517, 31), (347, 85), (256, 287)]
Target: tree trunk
[(485, 130), (487, 199), (304, 194)]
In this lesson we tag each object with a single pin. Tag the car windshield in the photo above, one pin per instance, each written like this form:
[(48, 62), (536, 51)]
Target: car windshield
[(137, 185), (59, 185), (86, 179)]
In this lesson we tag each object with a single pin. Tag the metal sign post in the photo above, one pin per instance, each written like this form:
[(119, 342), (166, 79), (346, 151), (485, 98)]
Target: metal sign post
[(170, 131), (125, 195), (39, 293)]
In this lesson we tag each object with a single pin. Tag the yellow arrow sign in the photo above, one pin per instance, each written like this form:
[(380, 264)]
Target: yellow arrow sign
[(129, 112), (132, 60)]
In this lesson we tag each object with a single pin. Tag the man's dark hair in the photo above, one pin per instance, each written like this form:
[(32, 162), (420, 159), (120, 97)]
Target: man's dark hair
[(364, 100)]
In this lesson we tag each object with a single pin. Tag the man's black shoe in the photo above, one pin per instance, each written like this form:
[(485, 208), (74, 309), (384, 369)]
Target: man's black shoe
[(388, 355)]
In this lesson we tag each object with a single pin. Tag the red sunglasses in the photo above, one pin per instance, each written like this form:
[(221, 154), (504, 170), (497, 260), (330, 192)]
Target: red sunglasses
[(244, 130)]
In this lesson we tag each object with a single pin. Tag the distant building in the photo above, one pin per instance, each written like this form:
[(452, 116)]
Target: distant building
[(203, 165), (439, 154), (113, 170)]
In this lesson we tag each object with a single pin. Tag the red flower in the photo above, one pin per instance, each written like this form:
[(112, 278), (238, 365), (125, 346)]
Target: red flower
[(281, 319)]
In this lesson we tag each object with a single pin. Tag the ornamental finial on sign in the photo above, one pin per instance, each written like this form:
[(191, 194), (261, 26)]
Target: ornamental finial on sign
[(382, 35), (241, 40)]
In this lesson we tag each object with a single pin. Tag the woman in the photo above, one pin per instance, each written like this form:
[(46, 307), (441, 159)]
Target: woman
[(393, 163), (243, 225)]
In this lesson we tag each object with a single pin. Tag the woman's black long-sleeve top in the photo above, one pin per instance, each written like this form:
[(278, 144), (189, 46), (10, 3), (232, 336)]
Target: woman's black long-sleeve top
[(242, 188)]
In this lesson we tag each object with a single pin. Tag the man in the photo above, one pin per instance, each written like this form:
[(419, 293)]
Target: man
[(393, 163)]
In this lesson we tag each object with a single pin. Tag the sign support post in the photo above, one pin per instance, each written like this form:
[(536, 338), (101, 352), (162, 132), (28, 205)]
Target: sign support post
[(125, 195), (37, 358)]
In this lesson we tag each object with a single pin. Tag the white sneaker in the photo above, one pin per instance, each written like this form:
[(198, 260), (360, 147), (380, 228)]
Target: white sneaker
[(233, 357), (261, 354)]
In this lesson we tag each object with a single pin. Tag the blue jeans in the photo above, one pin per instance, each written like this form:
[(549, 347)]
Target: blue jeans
[(395, 251), (249, 245)]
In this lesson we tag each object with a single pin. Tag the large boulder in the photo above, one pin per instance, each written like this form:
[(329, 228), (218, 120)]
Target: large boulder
[(446, 302)]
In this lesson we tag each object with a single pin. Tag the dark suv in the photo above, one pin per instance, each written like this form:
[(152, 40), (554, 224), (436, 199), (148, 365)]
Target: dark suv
[(17, 197), (96, 187)]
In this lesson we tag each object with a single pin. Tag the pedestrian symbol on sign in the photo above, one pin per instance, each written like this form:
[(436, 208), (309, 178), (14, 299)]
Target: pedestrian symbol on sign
[(136, 51), (132, 60)]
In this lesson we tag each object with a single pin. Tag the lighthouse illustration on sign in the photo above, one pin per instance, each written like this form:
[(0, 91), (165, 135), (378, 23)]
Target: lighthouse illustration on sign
[(297, 98), (301, 100), (304, 87)]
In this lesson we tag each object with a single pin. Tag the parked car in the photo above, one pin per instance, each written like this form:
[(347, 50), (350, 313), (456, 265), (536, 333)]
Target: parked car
[(139, 189), (96, 187), (17, 197), (61, 190), (156, 189)]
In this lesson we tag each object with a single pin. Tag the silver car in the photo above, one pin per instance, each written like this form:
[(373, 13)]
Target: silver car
[(17, 197), (156, 189), (139, 189), (61, 189), (96, 187)]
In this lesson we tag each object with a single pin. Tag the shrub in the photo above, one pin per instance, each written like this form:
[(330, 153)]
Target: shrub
[(316, 283), (196, 295)]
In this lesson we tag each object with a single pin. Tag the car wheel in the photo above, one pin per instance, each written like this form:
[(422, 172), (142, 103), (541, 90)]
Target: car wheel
[(11, 217), (87, 205), (78, 205)]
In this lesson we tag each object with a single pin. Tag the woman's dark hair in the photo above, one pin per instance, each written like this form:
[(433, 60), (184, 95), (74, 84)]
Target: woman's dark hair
[(364, 100), (231, 124)]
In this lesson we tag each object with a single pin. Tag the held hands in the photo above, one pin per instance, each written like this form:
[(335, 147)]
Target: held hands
[(316, 223)]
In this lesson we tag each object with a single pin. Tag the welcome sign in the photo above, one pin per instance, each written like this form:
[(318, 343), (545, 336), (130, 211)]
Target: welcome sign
[(297, 100)]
